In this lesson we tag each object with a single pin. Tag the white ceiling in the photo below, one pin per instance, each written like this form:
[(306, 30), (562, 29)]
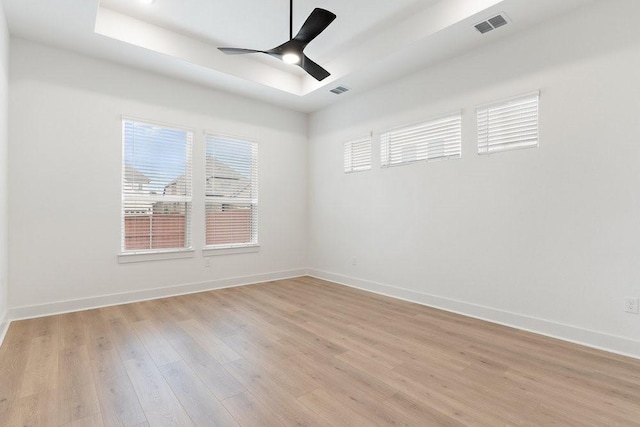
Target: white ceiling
[(370, 43)]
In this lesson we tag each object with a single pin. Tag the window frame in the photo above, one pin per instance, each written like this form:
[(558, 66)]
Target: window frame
[(348, 148), (138, 255), (385, 149), (483, 143), (253, 201)]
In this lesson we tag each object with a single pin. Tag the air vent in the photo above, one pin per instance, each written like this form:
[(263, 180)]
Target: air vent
[(498, 21), (339, 90), (492, 23), (484, 27)]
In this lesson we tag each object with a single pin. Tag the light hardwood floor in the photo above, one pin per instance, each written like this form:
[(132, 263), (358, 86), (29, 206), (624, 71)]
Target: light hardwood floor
[(302, 352)]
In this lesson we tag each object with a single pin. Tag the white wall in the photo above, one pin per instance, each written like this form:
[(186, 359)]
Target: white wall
[(4, 78), (64, 181), (546, 239)]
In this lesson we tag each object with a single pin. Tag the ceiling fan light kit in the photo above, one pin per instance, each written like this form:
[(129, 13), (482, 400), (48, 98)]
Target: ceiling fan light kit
[(291, 58), (292, 51)]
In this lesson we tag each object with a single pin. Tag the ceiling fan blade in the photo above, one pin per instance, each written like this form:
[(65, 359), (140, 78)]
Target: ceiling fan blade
[(314, 25), (238, 51), (313, 69)]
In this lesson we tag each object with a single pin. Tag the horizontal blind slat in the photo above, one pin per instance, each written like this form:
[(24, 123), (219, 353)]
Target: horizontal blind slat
[(508, 125), (357, 155), (441, 138)]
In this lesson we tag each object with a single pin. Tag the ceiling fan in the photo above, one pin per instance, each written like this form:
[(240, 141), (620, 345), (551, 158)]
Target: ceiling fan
[(291, 52)]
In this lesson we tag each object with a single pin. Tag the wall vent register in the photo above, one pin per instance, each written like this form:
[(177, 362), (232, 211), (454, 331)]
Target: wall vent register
[(339, 90), (492, 23)]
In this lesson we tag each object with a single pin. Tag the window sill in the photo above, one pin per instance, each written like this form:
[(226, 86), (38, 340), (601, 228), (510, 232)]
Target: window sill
[(230, 250), (127, 258)]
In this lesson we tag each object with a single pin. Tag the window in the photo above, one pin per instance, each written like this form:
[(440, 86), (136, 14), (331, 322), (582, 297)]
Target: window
[(433, 140), (156, 187), (508, 125), (231, 192), (357, 155)]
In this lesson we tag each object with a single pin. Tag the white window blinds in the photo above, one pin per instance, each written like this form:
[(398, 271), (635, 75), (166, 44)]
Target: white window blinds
[(156, 187), (231, 192), (436, 139), (357, 155), (508, 125)]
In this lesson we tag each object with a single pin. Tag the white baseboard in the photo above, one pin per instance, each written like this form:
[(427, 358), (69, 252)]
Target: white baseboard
[(4, 326), (59, 307), (594, 339)]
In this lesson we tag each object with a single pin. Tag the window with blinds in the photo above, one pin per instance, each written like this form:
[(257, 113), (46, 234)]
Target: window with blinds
[(156, 187), (231, 192), (509, 124), (357, 155), (436, 139)]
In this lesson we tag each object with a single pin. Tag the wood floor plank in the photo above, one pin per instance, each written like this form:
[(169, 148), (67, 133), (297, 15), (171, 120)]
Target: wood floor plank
[(332, 410), (127, 342), (38, 409), (545, 416), (134, 312), (288, 330), (266, 388), (420, 412), (215, 377), (253, 344), (302, 351), (219, 318), (251, 412), (44, 326), (507, 407), (192, 393), (214, 346), (160, 405), (106, 364), (440, 400), (41, 371), (76, 390), (119, 404), (96, 331), (296, 381), (77, 402), (72, 331), (354, 342), (158, 348), (91, 421), (14, 354)]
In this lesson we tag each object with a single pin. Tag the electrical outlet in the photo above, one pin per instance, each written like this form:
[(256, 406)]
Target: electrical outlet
[(207, 262), (631, 305), (354, 261)]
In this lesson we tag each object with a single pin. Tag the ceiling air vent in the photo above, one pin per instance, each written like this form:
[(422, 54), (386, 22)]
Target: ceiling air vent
[(492, 23), (339, 90)]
